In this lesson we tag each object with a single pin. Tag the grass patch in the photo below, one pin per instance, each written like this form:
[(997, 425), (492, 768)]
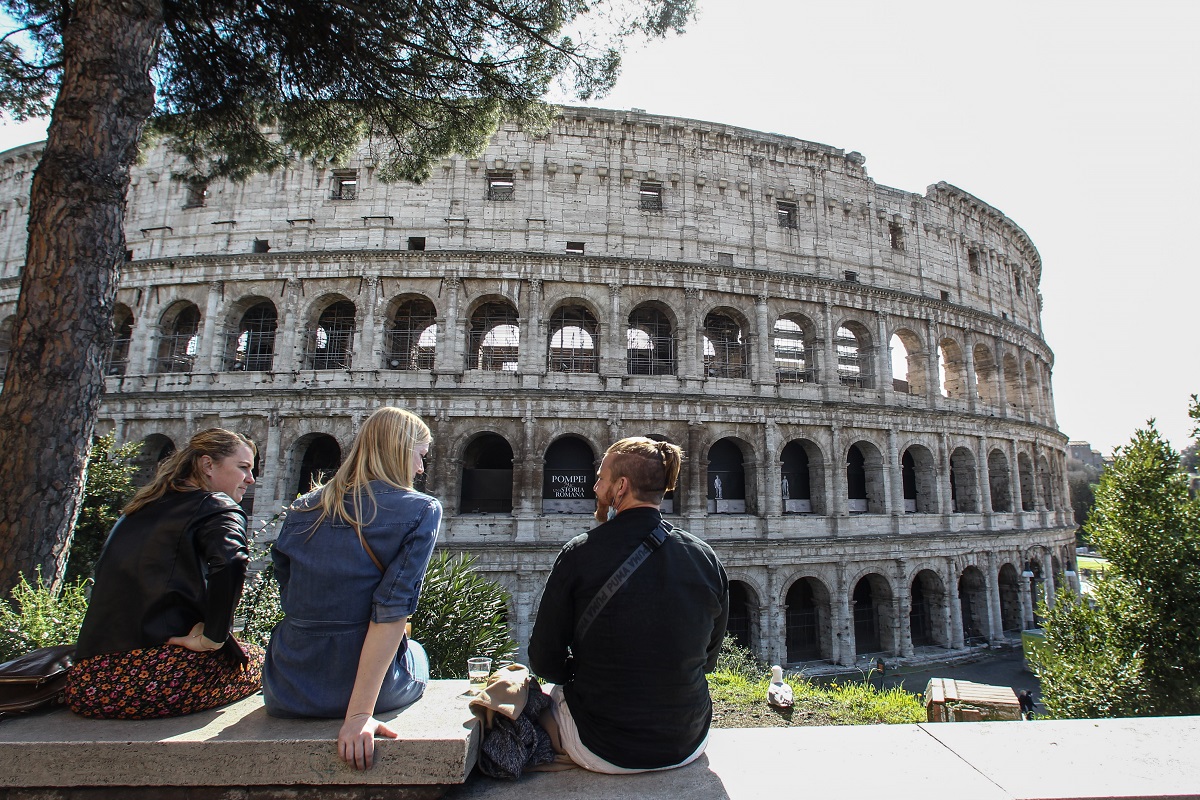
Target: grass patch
[(741, 702)]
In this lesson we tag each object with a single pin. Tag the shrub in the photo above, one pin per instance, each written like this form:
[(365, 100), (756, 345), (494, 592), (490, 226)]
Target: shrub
[(737, 660), (108, 485), (36, 616)]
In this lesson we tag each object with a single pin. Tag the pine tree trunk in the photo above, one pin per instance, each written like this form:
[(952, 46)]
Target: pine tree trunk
[(62, 329)]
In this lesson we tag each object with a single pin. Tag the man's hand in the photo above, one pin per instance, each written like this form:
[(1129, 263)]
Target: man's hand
[(356, 739)]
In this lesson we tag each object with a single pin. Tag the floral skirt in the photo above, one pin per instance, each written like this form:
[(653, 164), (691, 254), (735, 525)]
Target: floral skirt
[(166, 681)]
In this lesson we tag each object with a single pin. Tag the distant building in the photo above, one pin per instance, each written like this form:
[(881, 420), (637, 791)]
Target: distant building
[(1083, 451)]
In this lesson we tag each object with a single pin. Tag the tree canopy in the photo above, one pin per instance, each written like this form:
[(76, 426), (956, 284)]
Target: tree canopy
[(236, 87), (1130, 648)]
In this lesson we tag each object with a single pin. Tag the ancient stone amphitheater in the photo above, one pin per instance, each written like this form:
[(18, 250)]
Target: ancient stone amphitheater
[(856, 373)]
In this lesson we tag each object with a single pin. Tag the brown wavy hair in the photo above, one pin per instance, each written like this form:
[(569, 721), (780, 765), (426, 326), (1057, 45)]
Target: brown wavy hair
[(180, 471)]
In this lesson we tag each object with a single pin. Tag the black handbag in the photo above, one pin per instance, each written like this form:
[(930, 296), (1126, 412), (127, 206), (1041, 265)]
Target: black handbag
[(35, 679)]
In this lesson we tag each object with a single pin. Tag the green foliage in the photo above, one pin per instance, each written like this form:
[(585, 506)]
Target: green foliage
[(733, 659), (1081, 480), (108, 486), (36, 616), (460, 614), (244, 87), (840, 704), (864, 704), (1132, 649)]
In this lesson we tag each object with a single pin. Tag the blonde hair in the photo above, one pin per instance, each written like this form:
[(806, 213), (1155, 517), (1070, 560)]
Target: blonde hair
[(180, 471), (651, 467), (382, 451)]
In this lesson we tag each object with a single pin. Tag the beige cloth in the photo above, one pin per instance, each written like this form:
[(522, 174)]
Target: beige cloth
[(506, 694)]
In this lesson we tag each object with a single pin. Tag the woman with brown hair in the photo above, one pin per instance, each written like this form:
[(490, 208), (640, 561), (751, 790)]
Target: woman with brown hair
[(156, 640)]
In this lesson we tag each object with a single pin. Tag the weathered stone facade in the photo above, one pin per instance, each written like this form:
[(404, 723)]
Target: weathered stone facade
[(741, 294)]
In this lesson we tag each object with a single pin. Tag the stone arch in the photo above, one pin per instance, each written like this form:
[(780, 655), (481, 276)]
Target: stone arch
[(727, 477), (320, 455), (802, 478), (250, 345), (985, 374), (117, 361), (808, 631), (918, 474), (179, 337), (972, 597), (1012, 382), (569, 476), (852, 343), (410, 333), (487, 475), (1046, 484), (650, 340), (952, 367), (964, 485), (1010, 598), (494, 337), (871, 604), (156, 447), (328, 343), (1032, 395), (573, 340), (795, 357), (1000, 480), (928, 610), (724, 345), (1025, 473), (864, 479), (908, 363), (744, 608)]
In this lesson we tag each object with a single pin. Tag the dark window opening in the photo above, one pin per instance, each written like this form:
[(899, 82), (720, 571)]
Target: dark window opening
[(739, 626), (500, 185), (252, 348), (321, 460), (866, 619), (416, 243), (945, 296), (650, 196), (724, 348), (328, 346), (851, 276), (118, 353), (179, 346), (487, 476), (973, 260), (573, 333), (568, 477), (791, 361), (1017, 284), (803, 618), (411, 337), (787, 213), (262, 245), (649, 343), (575, 248), (345, 184), (129, 255), (896, 231), (197, 193), (494, 340)]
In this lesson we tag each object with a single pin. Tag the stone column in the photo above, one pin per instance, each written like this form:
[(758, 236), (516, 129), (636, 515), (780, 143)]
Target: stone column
[(894, 472), (532, 358), (449, 358), (763, 369), (365, 355), (614, 357), (902, 610), (837, 504), (771, 491), (829, 369), (1048, 579), (691, 349), (211, 352), (933, 385), (843, 621), (775, 647), (972, 384), (1040, 503), (289, 329), (697, 471), (985, 478), (995, 620), (1001, 389), (955, 603), (271, 467), (883, 358)]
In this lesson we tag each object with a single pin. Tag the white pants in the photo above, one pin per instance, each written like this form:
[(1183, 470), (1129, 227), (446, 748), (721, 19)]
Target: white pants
[(585, 758)]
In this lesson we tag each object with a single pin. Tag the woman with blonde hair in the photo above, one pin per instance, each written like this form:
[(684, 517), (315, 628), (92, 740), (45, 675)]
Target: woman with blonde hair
[(350, 561), (156, 640)]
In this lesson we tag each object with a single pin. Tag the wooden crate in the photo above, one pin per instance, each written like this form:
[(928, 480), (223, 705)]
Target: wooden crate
[(948, 700)]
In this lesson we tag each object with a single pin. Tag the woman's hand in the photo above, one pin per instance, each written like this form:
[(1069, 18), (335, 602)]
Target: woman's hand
[(196, 640), (356, 739)]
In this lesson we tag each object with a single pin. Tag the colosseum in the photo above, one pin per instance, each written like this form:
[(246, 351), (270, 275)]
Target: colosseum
[(856, 373)]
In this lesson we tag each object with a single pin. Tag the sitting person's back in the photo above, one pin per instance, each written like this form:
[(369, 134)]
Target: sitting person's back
[(632, 693)]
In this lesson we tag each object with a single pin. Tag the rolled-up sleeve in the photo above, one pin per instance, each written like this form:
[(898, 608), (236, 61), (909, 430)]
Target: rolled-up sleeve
[(400, 589)]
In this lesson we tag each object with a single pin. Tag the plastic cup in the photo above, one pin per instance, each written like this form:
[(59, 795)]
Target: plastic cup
[(479, 669)]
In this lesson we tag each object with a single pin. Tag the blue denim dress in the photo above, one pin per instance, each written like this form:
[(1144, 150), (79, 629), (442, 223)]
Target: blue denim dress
[(330, 590)]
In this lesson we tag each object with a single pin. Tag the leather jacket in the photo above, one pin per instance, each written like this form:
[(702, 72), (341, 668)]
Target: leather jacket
[(179, 560)]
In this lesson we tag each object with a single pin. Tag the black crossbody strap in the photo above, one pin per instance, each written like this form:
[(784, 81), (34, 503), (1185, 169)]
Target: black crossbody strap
[(651, 543)]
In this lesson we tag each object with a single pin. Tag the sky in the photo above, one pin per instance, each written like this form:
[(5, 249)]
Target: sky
[(1078, 120)]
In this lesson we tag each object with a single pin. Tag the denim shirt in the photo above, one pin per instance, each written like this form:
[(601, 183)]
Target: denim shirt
[(330, 590)]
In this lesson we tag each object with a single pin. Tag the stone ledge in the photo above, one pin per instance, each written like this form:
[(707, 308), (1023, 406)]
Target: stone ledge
[(239, 746)]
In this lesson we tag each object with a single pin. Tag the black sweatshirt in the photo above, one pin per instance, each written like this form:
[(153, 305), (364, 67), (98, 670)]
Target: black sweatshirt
[(635, 682)]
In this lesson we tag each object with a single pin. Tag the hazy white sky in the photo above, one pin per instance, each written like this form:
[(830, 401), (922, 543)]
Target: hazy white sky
[(1079, 120)]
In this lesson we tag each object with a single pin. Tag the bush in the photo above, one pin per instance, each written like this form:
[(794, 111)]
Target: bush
[(108, 486), (35, 616), (460, 614), (737, 660)]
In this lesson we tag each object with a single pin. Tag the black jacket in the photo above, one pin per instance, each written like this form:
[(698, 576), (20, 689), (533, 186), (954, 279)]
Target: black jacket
[(179, 560), (635, 681)]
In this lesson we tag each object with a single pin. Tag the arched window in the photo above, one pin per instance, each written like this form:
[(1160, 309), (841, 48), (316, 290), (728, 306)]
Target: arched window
[(1010, 598), (252, 347), (487, 476), (1025, 473), (329, 344), (985, 374), (568, 477), (411, 336), (872, 614), (853, 356), (908, 363), (927, 610), (795, 480), (180, 342), (573, 333), (650, 343), (918, 476), (1043, 470), (742, 607), (806, 616), (321, 459), (724, 349), (864, 479), (963, 483), (726, 478), (1012, 383), (118, 353), (1001, 484), (792, 363), (155, 448), (972, 596), (493, 343), (953, 369)]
